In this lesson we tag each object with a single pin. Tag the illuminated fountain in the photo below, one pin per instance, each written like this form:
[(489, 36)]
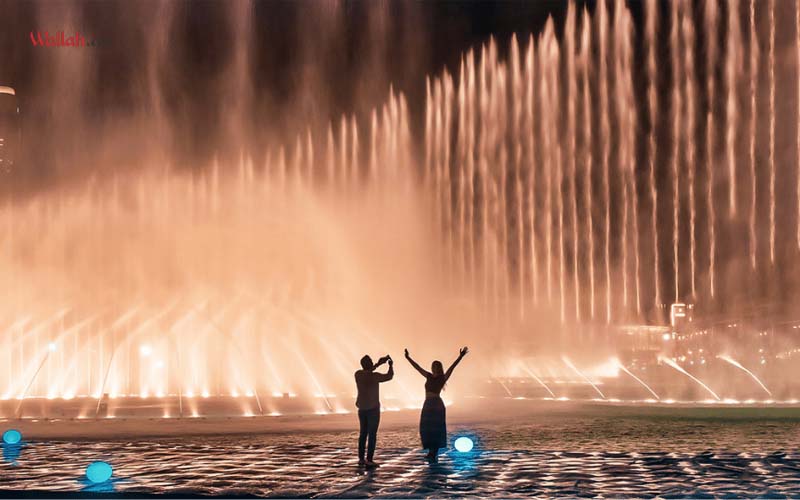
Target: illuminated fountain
[(253, 286), (543, 202), (752, 375)]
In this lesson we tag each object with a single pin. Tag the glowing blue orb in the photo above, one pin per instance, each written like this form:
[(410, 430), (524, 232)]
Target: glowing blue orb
[(464, 444), (98, 472), (12, 436)]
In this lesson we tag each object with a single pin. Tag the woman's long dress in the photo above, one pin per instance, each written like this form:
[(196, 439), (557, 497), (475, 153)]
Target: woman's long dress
[(432, 422)]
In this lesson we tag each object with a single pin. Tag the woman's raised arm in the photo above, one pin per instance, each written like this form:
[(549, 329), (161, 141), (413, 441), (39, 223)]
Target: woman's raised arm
[(463, 352), (422, 371)]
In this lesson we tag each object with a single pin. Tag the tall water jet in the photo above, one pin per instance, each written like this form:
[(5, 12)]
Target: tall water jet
[(546, 102), (622, 149), (447, 104), (470, 164), (699, 382), (461, 186), (572, 95), (483, 174), (751, 374), (581, 375), (797, 48), (604, 145), (690, 89), (354, 147), (309, 158), (771, 131), (157, 62), (625, 32), (239, 92), (753, 67), (586, 54), (651, 23), (330, 157), (677, 122), (530, 76), (733, 64), (518, 115), (555, 147), (710, 16)]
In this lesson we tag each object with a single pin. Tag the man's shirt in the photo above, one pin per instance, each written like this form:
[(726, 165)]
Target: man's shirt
[(368, 392)]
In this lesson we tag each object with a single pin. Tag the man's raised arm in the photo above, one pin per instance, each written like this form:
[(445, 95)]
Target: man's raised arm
[(385, 377)]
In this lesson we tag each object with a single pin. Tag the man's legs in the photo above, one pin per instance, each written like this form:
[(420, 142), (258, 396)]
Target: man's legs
[(373, 421), (363, 420)]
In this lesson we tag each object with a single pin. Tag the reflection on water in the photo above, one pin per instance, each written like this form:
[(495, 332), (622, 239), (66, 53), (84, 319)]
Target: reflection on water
[(11, 452), (608, 452), (104, 487)]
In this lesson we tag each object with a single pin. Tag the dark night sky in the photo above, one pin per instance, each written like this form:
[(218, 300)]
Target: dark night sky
[(310, 60)]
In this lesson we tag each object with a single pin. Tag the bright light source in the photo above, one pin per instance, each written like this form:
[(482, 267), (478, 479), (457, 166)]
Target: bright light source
[(98, 472), (12, 436), (665, 336), (51, 346), (145, 350), (464, 444)]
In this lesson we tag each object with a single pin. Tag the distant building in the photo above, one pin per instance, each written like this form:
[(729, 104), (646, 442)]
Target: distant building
[(680, 315), (10, 129)]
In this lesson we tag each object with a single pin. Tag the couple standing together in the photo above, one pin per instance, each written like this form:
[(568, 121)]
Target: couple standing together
[(432, 424)]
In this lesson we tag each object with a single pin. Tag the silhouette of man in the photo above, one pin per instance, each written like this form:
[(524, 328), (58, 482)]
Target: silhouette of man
[(369, 405)]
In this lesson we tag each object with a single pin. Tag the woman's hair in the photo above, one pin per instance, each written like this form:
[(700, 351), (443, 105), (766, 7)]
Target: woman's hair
[(437, 368)]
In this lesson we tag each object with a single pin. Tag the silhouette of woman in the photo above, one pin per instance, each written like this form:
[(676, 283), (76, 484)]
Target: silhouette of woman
[(432, 421)]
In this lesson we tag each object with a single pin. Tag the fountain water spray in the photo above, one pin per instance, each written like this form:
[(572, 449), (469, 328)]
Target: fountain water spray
[(690, 89), (710, 17), (753, 49), (505, 173), (605, 146), (622, 367), (530, 76), (547, 100), (18, 411), (678, 367), (651, 13), (572, 171), (580, 374), (620, 99), (772, 131), (733, 64), (586, 39), (739, 366), (537, 379), (677, 123)]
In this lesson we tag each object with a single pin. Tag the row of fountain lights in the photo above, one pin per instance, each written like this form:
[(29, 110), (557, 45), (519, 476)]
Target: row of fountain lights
[(146, 351)]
